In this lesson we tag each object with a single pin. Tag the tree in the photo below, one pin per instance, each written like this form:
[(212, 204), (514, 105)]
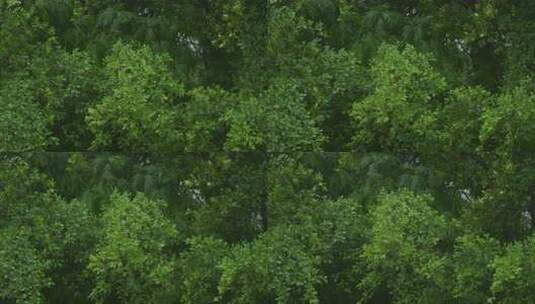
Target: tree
[(133, 255), (403, 254), (254, 151), (473, 259), (141, 101), (400, 115), (22, 270), (199, 269), (513, 272), (277, 267)]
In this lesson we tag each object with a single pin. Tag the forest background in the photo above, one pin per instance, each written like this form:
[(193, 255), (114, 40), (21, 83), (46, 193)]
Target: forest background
[(255, 151)]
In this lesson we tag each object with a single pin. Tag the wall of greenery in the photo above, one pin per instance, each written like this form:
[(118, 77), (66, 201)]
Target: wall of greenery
[(267, 151)]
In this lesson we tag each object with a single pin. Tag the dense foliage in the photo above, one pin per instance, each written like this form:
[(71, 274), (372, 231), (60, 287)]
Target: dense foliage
[(267, 151)]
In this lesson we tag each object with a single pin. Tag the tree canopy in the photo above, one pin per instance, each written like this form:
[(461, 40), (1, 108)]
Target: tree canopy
[(267, 151)]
